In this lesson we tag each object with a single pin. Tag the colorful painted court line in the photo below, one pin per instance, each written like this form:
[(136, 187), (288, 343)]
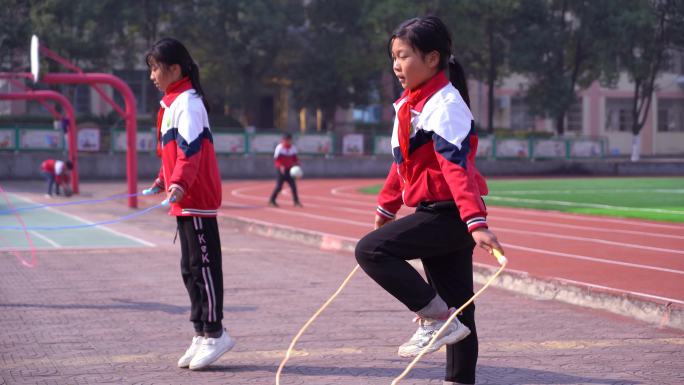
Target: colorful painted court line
[(87, 238)]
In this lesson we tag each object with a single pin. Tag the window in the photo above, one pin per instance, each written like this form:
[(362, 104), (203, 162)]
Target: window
[(618, 115), (574, 117), (674, 62), (670, 115), (82, 99), (521, 119)]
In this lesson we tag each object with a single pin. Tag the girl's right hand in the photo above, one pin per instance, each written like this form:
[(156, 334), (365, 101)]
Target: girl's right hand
[(380, 221)]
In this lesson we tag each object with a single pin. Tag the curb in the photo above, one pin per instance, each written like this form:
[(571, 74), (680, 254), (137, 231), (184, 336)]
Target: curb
[(663, 314)]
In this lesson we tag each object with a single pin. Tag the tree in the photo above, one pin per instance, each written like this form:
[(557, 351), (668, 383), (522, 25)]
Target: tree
[(558, 45), (82, 31), (481, 32), (14, 35), (645, 32), (337, 63), (238, 45)]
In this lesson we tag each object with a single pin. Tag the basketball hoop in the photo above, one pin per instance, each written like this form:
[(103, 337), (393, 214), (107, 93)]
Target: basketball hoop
[(35, 59)]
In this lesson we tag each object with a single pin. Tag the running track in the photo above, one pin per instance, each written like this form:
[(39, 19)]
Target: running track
[(640, 258)]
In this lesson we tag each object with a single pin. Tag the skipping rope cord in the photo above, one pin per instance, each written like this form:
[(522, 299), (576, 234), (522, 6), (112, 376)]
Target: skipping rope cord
[(81, 226), (497, 254), (82, 202)]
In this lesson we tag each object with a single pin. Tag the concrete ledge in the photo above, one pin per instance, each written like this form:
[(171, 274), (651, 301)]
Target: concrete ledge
[(651, 311), (26, 165)]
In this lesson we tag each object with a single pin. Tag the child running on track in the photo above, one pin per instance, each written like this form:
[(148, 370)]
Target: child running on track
[(434, 146), (284, 158), (190, 177)]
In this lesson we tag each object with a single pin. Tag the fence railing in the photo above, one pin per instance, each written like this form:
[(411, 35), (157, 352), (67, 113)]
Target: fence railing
[(316, 144)]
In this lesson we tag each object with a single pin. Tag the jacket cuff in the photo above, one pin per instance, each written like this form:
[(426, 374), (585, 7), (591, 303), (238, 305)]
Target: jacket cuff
[(476, 223), (173, 186), (385, 213)]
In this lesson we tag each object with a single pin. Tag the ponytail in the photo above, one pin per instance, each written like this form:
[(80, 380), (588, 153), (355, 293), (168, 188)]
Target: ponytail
[(194, 76), (458, 79)]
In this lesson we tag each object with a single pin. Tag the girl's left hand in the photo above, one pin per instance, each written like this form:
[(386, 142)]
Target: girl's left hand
[(175, 195), (487, 240)]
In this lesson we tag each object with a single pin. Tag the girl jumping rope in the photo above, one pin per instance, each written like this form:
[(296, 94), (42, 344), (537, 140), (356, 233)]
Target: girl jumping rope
[(434, 146), (190, 177)]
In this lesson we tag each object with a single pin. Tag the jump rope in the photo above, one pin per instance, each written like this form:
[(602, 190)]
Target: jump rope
[(165, 203), (502, 265), (16, 210)]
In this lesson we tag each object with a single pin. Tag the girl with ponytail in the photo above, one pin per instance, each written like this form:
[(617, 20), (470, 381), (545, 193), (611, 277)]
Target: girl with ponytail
[(189, 176), (434, 146)]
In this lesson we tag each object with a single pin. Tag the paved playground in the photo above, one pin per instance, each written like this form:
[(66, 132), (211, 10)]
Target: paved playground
[(117, 314)]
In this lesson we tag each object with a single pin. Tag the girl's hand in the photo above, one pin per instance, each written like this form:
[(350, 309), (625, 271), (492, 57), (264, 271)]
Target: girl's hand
[(487, 240), (380, 221), (175, 195)]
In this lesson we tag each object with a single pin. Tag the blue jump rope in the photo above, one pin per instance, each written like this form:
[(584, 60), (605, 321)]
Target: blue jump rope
[(149, 191)]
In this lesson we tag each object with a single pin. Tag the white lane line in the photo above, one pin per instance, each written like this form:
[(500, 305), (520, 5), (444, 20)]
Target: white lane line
[(593, 285), (585, 217), (665, 299), (501, 217), (592, 259), (579, 204), (241, 193), (590, 191), (367, 225), (46, 239), (266, 223), (586, 239), (338, 191), (478, 263), (238, 193), (77, 218), (586, 228)]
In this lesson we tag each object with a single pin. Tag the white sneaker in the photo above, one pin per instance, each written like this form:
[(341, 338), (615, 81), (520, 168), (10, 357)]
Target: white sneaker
[(184, 361), (427, 328), (210, 350)]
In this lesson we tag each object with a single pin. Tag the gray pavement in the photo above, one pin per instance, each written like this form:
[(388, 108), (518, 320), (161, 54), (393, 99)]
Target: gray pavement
[(119, 316)]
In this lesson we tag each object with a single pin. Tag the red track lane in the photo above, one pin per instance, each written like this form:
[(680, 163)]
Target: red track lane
[(641, 258)]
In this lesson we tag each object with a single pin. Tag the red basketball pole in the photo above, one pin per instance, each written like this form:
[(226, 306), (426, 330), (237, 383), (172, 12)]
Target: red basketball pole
[(129, 117), (68, 110)]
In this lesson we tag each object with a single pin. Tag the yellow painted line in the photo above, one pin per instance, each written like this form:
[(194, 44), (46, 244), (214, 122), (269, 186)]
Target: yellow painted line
[(494, 347), (578, 344), (94, 359)]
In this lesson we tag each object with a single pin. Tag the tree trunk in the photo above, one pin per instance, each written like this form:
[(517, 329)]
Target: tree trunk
[(636, 147), (491, 79), (560, 124)]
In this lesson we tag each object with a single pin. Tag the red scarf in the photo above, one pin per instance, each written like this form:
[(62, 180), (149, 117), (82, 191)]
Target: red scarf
[(172, 91), (415, 100)]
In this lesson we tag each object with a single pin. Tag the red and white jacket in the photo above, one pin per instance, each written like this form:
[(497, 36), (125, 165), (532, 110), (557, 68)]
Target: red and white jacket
[(285, 156), (186, 147), (442, 152), (57, 169)]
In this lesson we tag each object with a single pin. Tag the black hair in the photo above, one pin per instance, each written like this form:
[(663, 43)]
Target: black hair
[(69, 165), (169, 51), (428, 34), (287, 136)]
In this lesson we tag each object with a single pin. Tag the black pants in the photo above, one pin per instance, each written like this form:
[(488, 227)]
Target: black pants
[(284, 177), (435, 234), (201, 269)]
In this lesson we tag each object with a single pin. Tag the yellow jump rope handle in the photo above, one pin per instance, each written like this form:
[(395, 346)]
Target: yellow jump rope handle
[(502, 263)]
